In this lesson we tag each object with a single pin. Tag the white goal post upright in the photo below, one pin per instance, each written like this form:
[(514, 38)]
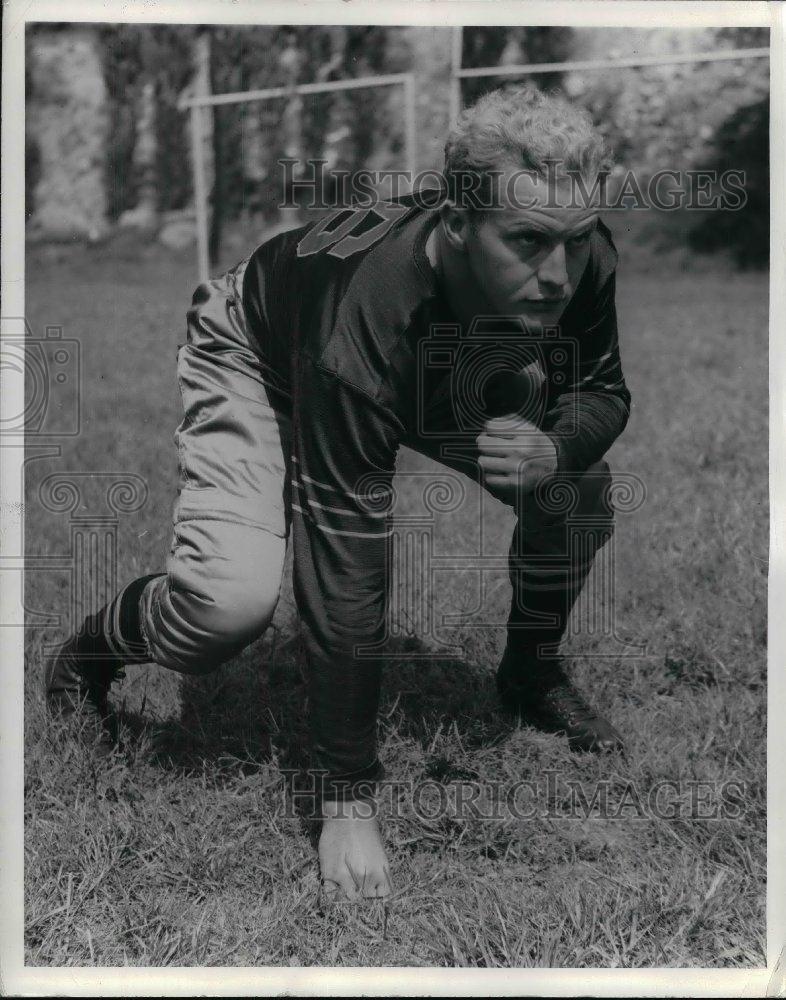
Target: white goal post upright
[(197, 103)]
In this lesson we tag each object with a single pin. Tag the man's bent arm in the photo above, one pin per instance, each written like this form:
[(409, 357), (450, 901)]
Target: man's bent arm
[(584, 421)]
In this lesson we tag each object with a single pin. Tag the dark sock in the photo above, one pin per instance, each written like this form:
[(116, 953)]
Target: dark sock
[(130, 629), (91, 639), (114, 633), (525, 668)]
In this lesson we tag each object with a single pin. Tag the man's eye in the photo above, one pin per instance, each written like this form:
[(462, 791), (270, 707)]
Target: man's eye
[(579, 241), (530, 239)]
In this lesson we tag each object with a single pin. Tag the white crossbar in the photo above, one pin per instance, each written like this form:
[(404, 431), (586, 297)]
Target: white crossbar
[(244, 96), (591, 64)]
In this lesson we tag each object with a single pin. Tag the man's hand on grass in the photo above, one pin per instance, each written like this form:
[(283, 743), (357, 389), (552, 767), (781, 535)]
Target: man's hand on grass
[(514, 456), (352, 858)]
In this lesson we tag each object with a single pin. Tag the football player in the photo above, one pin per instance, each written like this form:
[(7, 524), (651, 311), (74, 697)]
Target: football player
[(303, 374)]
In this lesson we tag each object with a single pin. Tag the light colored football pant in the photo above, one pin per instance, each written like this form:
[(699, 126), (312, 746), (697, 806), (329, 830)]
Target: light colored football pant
[(231, 518)]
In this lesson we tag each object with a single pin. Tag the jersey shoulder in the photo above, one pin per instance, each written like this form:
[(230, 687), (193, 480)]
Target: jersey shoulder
[(349, 286)]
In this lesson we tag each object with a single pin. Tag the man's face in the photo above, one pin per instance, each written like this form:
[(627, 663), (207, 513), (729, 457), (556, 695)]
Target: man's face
[(529, 254)]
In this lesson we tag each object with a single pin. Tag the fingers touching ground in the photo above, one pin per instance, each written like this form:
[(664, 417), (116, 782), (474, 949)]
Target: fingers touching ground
[(354, 885), (352, 859)]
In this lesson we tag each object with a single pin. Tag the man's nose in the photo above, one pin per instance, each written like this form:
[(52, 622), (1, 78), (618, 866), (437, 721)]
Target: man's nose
[(553, 270)]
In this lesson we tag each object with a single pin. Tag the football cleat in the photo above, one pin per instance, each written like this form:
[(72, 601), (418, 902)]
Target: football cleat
[(78, 685), (540, 693)]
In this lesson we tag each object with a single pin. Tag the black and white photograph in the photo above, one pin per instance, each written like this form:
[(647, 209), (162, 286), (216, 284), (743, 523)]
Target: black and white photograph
[(387, 491)]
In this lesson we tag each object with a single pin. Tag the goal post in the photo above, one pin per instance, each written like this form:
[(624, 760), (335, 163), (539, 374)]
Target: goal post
[(459, 73), (196, 105)]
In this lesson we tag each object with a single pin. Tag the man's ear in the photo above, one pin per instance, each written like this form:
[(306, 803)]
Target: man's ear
[(456, 223)]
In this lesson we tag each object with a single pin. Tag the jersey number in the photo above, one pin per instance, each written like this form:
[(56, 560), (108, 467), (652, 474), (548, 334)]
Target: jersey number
[(342, 244)]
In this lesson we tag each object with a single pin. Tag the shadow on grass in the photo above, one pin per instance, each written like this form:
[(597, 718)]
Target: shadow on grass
[(253, 711)]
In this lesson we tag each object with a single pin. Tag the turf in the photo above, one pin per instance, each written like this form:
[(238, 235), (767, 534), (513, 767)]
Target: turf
[(179, 849)]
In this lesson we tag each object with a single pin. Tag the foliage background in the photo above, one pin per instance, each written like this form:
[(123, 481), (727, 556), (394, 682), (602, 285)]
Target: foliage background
[(685, 116)]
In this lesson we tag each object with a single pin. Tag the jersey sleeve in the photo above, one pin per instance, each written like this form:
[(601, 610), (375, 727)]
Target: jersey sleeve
[(589, 402), (344, 448)]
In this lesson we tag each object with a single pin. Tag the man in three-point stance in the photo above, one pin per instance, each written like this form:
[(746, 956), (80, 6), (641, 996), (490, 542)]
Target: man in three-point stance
[(300, 381)]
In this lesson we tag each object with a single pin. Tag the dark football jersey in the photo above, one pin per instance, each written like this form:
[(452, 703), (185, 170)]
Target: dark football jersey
[(354, 338)]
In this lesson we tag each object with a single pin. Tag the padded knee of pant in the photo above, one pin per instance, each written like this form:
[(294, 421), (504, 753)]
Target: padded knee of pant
[(222, 606), (238, 610)]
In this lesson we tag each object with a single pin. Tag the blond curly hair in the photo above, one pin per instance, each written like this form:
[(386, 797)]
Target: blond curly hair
[(523, 128)]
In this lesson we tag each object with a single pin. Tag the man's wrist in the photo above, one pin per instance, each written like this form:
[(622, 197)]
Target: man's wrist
[(356, 786), (349, 809)]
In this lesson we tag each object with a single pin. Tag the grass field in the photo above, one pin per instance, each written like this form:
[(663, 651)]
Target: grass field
[(176, 851)]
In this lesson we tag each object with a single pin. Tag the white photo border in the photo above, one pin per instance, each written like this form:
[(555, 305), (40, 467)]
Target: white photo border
[(15, 978)]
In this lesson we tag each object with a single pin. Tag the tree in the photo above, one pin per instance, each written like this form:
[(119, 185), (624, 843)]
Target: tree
[(498, 45), (741, 143), (145, 69)]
